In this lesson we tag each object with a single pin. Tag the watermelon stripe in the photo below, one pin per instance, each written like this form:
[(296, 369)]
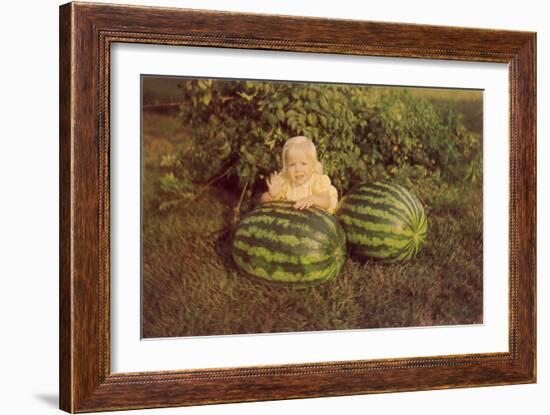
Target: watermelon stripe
[(415, 249), (396, 203), (354, 233), (257, 262), (358, 235), (380, 215), (340, 237), (329, 221), (270, 236), (298, 229), (268, 220), (380, 199), (418, 211), (349, 216), (363, 225), (266, 269), (279, 243), (399, 194), (269, 208), (320, 221), (333, 269), (423, 224), (396, 215), (382, 243), (383, 221), (384, 252), (277, 251), (268, 253), (413, 200)]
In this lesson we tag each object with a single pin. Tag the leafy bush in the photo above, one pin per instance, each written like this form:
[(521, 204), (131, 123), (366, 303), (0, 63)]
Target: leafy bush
[(238, 128)]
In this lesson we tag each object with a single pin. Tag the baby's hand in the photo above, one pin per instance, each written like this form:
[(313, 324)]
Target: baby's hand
[(304, 203), (275, 185)]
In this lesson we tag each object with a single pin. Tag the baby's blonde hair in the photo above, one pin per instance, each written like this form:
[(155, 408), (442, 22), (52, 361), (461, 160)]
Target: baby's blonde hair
[(301, 141)]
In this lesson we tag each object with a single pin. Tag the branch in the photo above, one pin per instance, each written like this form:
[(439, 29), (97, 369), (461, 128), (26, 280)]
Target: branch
[(237, 209), (207, 185), (236, 214)]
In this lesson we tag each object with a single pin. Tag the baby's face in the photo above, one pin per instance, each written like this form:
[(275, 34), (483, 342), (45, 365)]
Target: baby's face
[(299, 166)]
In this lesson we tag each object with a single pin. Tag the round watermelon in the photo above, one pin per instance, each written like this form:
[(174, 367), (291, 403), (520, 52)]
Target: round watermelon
[(383, 221), (276, 242)]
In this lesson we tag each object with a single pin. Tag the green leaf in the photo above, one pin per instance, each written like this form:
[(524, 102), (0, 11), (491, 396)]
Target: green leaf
[(247, 97), (272, 119), (352, 126), (202, 84), (324, 103), (312, 119)]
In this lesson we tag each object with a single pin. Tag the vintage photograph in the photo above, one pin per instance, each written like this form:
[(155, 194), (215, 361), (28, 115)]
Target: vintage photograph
[(282, 206)]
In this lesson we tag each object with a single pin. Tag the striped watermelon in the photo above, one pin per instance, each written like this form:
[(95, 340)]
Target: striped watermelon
[(383, 221), (276, 242)]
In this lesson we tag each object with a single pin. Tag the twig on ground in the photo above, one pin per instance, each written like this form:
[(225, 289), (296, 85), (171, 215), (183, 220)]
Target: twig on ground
[(237, 209)]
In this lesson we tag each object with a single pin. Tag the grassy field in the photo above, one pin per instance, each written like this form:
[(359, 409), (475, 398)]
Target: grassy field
[(191, 287), (468, 103)]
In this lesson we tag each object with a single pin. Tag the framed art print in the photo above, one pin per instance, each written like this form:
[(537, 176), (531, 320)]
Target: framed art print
[(260, 207)]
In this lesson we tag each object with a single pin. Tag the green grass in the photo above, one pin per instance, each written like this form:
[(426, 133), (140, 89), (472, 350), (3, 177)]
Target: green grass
[(191, 287), (447, 94), (161, 89), (467, 103)]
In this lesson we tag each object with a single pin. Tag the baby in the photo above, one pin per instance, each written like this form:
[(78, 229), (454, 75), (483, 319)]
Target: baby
[(302, 179)]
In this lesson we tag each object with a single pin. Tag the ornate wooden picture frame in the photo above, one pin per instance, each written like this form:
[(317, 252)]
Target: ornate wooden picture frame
[(87, 32)]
